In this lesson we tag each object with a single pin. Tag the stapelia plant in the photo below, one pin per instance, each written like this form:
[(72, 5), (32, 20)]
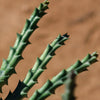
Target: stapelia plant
[(15, 55)]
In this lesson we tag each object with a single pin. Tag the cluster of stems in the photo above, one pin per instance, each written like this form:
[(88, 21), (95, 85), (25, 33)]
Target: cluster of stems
[(15, 54), (49, 87)]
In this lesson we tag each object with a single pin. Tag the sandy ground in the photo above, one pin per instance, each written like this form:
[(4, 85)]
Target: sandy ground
[(80, 18)]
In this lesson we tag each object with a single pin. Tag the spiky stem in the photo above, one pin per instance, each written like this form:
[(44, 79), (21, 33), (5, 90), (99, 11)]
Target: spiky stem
[(70, 85), (15, 54), (39, 67), (49, 87)]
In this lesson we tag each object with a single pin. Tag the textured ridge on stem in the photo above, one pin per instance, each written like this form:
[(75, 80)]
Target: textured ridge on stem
[(49, 87), (15, 54)]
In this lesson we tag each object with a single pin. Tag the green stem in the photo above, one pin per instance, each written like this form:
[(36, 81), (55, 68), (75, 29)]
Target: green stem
[(15, 54), (49, 87), (70, 87)]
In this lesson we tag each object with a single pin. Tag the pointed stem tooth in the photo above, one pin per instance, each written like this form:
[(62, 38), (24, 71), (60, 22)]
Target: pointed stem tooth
[(35, 13), (82, 67), (15, 60), (94, 54), (28, 76), (20, 48), (4, 64), (26, 26), (78, 63), (56, 40), (86, 58), (36, 26), (62, 40), (45, 86), (27, 35), (11, 53), (41, 6), (36, 65), (66, 35), (46, 2), (37, 74), (55, 47), (59, 37), (45, 53), (28, 42), (56, 85), (93, 59), (31, 83), (42, 14), (34, 22), (46, 60), (52, 54), (57, 77), (45, 6), (17, 40)]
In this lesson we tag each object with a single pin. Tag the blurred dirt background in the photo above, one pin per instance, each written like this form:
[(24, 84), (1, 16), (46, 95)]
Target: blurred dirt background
[(80, 18)]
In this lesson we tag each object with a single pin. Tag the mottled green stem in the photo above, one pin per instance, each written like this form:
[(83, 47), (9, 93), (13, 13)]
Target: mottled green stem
[(15, 54), (70, 85), (49, 87)]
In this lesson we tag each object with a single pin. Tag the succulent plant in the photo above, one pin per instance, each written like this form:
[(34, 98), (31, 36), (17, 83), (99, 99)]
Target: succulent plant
[(15, 55)]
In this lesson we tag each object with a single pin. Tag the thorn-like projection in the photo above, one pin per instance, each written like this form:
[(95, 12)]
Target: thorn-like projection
[(53, 54), (4, 64), (36, 27), (66, 35), (28, 42)]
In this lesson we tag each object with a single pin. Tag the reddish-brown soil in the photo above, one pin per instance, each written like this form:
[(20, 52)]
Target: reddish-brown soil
[(80, 18)]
